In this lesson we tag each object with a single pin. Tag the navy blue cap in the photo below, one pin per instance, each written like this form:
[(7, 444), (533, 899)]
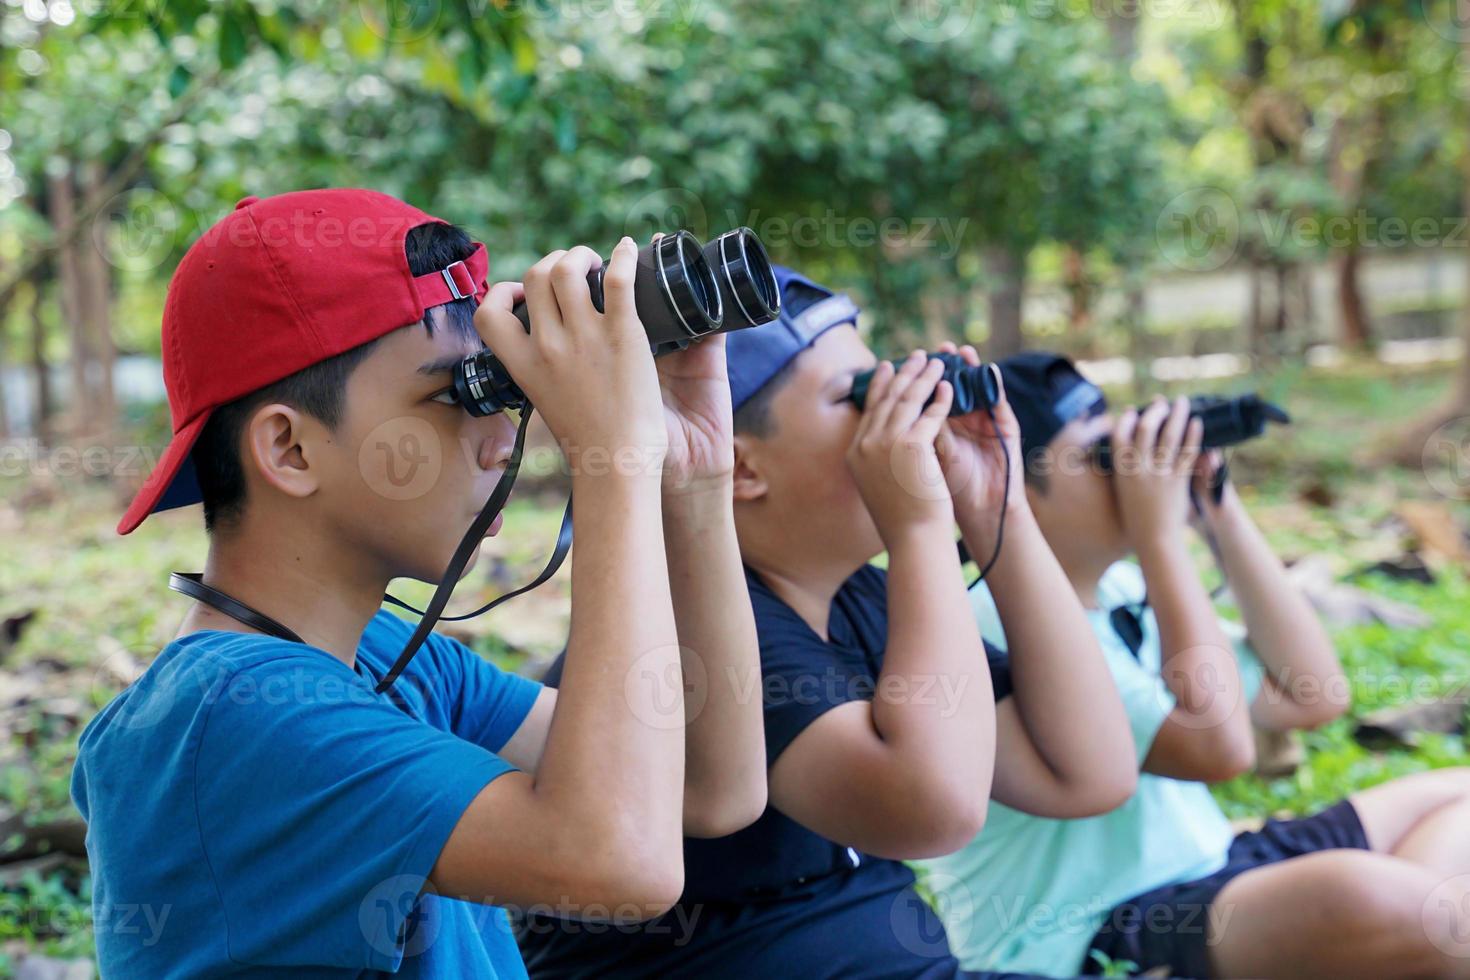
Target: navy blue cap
[(756, 355), (1046, 391)]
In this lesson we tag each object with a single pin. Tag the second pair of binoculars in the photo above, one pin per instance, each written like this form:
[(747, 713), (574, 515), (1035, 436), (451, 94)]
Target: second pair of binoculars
[(976, 386), (683, 290)]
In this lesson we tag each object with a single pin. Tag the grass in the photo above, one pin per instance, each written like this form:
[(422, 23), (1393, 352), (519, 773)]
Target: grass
[(1310, 487)]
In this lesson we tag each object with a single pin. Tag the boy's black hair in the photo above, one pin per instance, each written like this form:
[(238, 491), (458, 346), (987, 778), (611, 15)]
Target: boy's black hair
[(753, 417), (317, 390)]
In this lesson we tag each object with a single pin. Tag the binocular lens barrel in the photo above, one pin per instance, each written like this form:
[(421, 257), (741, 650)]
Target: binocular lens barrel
[(1225, 422), (681, 290), (673, 288), (747, 284), (975, 386)]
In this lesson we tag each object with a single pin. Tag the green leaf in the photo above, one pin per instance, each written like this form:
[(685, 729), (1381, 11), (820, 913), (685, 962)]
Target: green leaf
[(232, 43), (178, 81)]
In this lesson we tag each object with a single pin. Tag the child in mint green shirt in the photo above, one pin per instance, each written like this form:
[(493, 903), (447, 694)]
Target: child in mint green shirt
[(1037, 890), (1374, 886)]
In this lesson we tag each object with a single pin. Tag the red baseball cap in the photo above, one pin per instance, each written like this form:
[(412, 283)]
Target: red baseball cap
[(279, 284)]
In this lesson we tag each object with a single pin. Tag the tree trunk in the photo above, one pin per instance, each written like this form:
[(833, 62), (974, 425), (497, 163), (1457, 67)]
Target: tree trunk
[(1407, 446), (1282, 320), (1135, 317), (71, 296), (1123, 22), (1007, 273), (40, 368), (1079, 296), (4, 409), (1256, 313), (96, 280), (1357, 331), (1349, 155)]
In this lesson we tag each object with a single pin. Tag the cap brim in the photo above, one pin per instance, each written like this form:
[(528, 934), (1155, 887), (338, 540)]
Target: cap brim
[(172, 482)]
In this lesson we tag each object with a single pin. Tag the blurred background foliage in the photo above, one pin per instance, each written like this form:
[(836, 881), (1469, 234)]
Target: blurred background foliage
[(1187, 193)]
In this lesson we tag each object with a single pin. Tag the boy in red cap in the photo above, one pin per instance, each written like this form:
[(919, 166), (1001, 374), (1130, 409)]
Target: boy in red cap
[(253, 802)]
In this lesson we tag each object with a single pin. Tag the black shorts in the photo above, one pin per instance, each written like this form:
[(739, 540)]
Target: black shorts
[(1169, 926)]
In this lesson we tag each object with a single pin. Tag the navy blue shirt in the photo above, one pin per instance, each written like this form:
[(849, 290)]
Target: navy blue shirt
[(777, 899)]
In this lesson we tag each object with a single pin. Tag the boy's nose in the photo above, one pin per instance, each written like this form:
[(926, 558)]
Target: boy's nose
[(497, 444)]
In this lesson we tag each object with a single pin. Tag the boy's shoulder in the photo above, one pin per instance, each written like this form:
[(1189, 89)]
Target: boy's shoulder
[(196, 672)]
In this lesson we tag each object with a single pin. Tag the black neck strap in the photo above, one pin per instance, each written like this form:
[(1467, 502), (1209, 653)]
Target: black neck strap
[(192, 584)]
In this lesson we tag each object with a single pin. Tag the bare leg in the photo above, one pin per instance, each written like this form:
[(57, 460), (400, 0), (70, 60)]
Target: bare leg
[(1339, 914), (1392, 812)]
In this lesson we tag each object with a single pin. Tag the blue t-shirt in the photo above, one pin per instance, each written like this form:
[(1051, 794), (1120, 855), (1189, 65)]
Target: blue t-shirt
[(777, 899), (254, 809)]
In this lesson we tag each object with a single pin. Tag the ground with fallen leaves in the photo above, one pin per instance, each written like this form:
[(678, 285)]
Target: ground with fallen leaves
[(82, 611)]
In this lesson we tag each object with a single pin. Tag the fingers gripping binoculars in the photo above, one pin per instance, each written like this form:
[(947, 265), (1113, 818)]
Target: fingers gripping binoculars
[(1227, 422), (976, 386), (683, 290)]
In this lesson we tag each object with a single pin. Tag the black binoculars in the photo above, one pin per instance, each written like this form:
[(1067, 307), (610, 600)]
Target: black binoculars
[(682, 290), (975, 385), (1227, 422)]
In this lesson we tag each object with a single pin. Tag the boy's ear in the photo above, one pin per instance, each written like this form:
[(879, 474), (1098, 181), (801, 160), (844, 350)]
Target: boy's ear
[(274, 444), (749, 483)]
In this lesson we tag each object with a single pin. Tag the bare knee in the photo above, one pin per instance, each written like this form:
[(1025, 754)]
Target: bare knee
[(1390, 920), (1340, 914)]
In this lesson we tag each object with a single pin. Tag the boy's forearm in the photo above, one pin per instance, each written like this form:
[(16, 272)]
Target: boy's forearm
[(725, 758), (934, 702), (615, 746), (1062, 686), (1284, 629), (1198, 664)]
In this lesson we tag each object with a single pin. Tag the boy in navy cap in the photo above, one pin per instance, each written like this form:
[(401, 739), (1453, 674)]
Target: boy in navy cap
[(881, 717), (1371, 887)]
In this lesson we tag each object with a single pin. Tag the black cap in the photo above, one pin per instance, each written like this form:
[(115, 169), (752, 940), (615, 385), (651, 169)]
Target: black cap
[(1046, 391)]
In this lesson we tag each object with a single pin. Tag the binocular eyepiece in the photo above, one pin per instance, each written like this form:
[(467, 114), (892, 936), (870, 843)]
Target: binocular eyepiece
[(975, 386), (1227, 422), (683, 290)]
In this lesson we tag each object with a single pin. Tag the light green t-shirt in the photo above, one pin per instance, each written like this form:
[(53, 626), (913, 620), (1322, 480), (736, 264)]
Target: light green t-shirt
[(1029, 893)]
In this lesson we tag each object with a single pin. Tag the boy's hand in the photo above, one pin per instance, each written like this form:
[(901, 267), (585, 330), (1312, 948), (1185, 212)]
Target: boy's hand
[(1204, 511), (590, 374), (1153, 460), (892, 455), (698, 415), (973, 452)]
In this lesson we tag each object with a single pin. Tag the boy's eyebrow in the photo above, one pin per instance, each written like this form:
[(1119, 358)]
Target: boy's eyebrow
[(442, 365)]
